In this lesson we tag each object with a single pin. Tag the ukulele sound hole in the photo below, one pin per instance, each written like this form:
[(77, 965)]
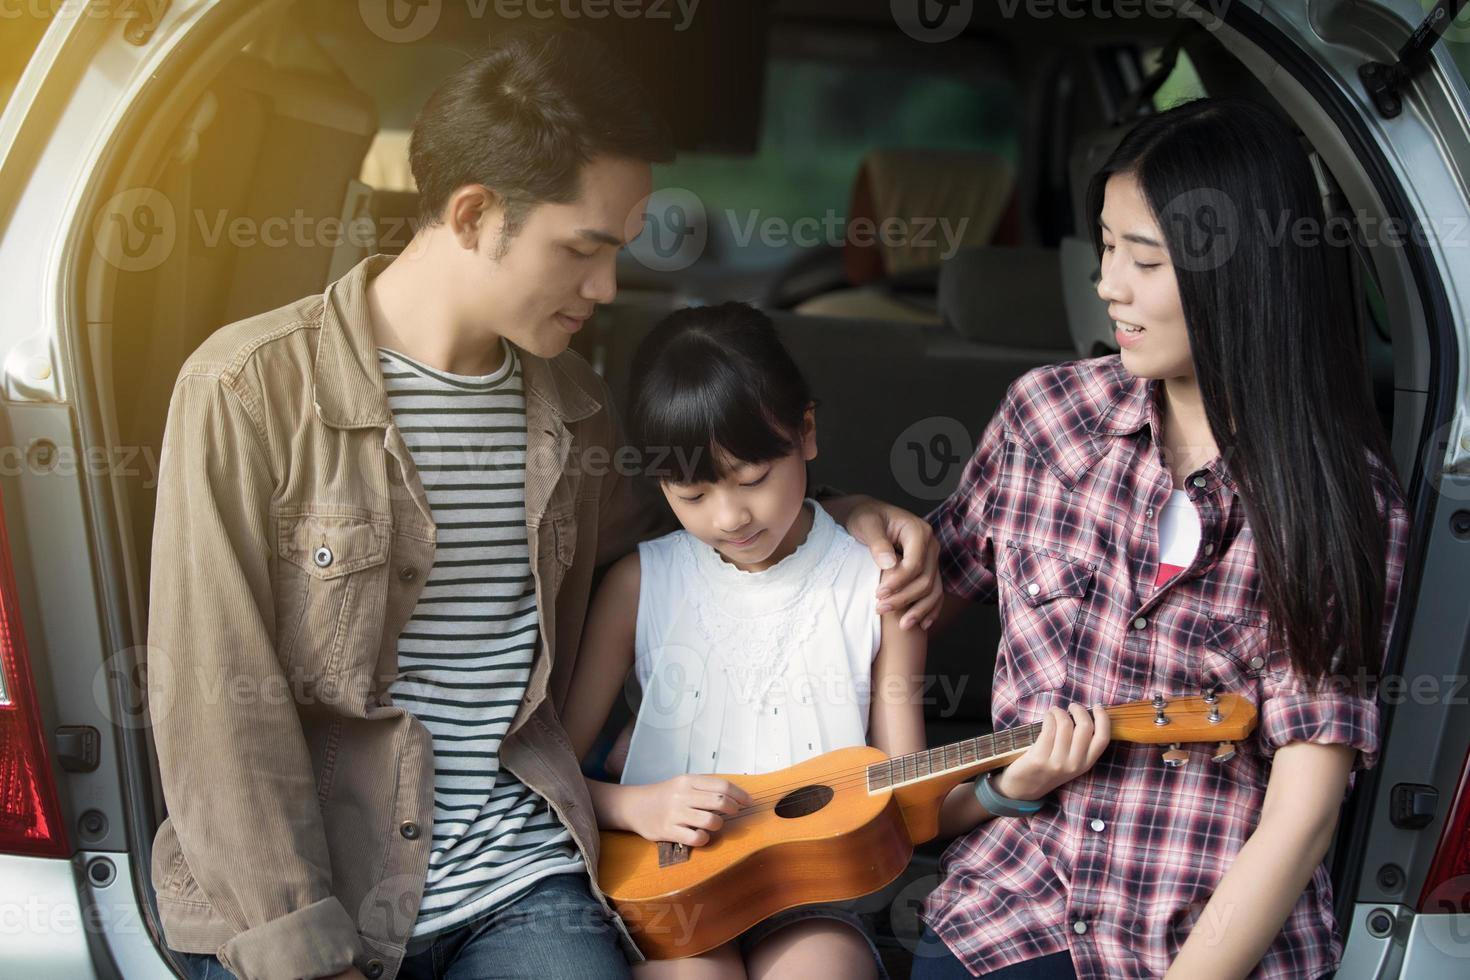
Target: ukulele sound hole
[(800, 802)]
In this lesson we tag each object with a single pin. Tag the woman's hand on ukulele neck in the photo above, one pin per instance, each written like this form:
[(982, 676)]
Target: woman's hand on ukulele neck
[(687, 809), (1069, 744)]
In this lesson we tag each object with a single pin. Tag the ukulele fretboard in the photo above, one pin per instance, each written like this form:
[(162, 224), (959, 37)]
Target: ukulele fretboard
[(922, 765)]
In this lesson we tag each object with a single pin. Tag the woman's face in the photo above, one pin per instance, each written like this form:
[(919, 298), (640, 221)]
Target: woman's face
[(1139, 286)]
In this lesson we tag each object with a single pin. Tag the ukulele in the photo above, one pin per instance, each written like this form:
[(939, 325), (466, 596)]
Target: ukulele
[(845, 824)]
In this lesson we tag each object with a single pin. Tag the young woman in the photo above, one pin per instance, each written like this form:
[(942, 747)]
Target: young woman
[(754, 632), (1215, 505)]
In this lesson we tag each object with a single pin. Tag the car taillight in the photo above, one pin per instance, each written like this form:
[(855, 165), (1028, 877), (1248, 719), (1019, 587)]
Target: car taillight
[(1447, 889), (30, 819)]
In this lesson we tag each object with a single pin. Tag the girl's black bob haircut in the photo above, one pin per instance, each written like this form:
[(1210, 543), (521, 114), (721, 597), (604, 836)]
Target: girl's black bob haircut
[(713, 387)]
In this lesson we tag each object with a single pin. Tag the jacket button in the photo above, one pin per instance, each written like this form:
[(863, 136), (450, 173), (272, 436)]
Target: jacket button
[(409, 830), (372, 969), (408, 573), (322, 557)]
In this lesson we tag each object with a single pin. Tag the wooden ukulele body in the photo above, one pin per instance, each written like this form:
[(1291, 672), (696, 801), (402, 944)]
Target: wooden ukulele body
[(802, 846)]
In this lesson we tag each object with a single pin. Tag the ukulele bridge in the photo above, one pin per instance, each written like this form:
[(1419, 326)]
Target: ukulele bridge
[(670, 854)]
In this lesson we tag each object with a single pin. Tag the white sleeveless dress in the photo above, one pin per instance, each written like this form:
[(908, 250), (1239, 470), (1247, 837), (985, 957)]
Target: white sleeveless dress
[(749, 672)]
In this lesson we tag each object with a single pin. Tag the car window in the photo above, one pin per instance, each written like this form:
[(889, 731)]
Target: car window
[(1182, 84), (1457, 42), (819, 119)]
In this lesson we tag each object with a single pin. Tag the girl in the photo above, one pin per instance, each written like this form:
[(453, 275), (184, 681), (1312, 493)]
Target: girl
[(1215, 505), (754, 632)]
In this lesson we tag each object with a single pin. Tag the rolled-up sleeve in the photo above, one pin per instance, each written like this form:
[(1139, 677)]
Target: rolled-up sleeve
[(236, 772), (1327, 719)]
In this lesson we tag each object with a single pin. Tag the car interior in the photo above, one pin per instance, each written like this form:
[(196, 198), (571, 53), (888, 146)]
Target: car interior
[(824, 106)]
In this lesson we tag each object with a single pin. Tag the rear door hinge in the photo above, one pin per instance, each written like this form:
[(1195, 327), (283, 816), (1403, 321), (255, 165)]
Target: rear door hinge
[(1385, 82)]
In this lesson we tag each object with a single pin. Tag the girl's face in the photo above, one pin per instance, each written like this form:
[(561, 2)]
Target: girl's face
[(1139, 286), (750, 515)]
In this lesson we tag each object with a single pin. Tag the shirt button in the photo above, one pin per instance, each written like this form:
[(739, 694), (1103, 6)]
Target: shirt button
[(1150, 512), (1079, 927), (1209, 549), (1033, 589), (1097, 825), (322, 557), (372, 969), (408, 573), (409, 830), (1257, 663), (1140, 623), (1199, 481)]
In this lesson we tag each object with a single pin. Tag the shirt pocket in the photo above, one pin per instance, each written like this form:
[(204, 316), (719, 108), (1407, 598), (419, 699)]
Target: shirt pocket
[(1237, 656), (1043, 593), (331, 589)]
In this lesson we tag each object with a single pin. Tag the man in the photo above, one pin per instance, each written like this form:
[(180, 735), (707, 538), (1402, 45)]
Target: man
[(378, 518)]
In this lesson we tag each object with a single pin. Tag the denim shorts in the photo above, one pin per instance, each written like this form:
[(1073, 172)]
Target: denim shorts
[(836, 911)]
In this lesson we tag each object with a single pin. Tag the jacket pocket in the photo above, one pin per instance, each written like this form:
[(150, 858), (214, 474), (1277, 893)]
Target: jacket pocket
[(330, 591), (556, 549), (1042, 597)]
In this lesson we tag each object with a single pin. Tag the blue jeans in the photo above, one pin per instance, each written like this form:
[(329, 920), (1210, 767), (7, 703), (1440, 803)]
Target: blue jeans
[(555, 931), (933, 960)]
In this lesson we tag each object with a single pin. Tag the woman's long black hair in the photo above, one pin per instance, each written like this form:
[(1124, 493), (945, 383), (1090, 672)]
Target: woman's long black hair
[(710, 383), (1280, 364)]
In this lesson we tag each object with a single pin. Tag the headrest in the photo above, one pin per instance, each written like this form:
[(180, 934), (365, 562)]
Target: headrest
[(1087, 315), (1006, 296), (943, 197)]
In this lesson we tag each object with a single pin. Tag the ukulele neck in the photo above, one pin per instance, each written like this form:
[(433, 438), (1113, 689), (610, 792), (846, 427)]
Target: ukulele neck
[(951, 763)]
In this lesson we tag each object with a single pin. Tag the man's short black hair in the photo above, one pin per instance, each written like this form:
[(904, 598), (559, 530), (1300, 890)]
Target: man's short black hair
[(524, 118)]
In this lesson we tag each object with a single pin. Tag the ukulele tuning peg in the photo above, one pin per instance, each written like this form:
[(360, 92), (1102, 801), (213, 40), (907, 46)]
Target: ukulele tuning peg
[(1175, 756), (1224, 752)]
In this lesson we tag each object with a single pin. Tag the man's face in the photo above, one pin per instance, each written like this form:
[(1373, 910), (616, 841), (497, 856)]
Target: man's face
[(561, 263)]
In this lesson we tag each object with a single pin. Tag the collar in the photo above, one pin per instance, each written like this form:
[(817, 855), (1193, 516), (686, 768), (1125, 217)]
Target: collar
[(1080, 407), (1138, 404), (347, 383)]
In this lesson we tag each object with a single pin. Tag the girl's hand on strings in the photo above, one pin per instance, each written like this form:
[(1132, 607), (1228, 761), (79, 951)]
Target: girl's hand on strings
[(687, 809), (1070, 743)]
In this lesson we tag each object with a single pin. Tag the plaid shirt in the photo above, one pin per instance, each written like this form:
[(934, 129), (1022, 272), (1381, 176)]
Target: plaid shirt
[(1056, 515)]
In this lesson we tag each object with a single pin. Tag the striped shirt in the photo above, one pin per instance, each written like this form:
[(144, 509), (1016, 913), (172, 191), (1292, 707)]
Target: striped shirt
[(464, 657)]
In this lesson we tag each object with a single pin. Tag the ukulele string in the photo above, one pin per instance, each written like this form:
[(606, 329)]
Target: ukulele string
[(771, 796)]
